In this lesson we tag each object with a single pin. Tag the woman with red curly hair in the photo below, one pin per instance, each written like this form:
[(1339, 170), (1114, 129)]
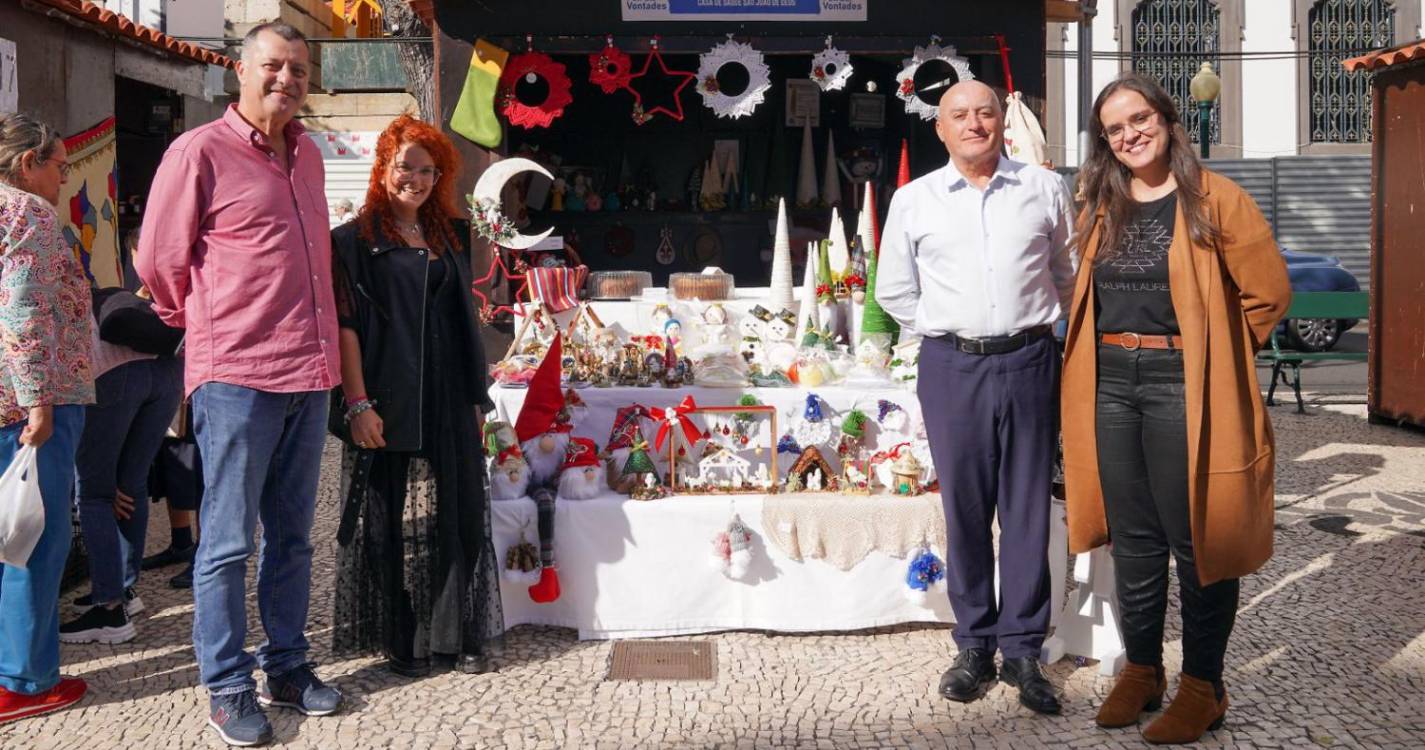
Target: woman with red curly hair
[(417, 578)]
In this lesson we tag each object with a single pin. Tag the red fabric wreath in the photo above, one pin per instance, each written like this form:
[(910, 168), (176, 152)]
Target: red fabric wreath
[(610, 69), (544, 113)]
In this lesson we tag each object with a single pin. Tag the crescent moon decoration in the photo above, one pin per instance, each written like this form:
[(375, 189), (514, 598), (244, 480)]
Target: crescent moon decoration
[(743, 55), (532, 67), (831, 68), (905, 80), (488, 220)]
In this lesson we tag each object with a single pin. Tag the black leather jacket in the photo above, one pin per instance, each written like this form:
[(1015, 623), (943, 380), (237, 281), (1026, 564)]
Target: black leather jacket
[(381, 294)]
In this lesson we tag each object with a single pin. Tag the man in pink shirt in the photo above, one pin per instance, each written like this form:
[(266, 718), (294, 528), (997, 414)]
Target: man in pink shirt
[(238, 252)]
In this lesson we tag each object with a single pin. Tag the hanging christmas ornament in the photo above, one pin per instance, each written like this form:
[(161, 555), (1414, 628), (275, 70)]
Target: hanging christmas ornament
[(721, 71), (642, 111), (522, 561), (666, 253), (611, 68), (831, 68), (927, 75), (924, 572), (813, 428), (732, 549), (534, 89)]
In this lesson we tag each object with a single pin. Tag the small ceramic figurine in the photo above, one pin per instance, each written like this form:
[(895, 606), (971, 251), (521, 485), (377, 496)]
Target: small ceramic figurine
[(659, 318), (673, 332)]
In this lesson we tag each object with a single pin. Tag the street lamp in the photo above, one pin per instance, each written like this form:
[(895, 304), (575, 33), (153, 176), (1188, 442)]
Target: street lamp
[(1205, 87)]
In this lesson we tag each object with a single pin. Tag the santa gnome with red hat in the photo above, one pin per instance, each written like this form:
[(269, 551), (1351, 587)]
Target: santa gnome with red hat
[(582, 475), (543, 432)]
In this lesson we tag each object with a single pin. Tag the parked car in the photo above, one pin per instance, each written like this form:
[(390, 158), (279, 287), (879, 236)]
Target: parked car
[(1310, 272)]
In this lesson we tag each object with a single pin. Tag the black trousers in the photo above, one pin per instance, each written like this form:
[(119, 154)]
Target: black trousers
[(1141, 428), (991, 421)]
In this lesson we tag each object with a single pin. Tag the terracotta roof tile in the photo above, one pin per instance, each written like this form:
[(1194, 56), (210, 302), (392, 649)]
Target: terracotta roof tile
[(120, 25), (1387, 57)]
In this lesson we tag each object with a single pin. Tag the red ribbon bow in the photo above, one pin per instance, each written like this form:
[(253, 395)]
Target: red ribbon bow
[(679, 414)]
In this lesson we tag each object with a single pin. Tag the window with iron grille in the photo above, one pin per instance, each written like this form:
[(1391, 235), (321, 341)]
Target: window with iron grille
[(1340, 101), (1171, 40)]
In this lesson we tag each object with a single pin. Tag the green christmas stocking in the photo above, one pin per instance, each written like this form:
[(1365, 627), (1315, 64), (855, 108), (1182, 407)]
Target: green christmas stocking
[(474, 115)]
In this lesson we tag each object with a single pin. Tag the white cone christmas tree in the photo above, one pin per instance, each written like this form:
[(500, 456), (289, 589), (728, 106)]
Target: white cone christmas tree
[(830, 181), (806, 171), (839, 252), (807, 318), (782, 297)]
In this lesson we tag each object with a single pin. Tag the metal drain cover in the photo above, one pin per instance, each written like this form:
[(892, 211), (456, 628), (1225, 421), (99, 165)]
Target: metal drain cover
[(663, 660)]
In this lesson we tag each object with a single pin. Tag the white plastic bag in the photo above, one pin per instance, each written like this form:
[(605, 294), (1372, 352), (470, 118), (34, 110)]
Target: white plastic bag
[(1023, 138), (22, 509)]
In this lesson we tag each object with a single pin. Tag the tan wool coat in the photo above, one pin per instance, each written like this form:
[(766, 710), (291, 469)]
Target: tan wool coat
[(1227, 302)]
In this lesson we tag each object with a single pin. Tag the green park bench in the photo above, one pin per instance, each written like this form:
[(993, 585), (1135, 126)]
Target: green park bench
[(1335, 305)]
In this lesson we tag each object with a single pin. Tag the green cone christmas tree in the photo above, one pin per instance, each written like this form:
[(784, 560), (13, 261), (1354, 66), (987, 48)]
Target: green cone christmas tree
[(873, 318)]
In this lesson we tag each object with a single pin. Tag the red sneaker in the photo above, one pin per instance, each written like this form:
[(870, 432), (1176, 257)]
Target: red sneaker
[(15, 706)]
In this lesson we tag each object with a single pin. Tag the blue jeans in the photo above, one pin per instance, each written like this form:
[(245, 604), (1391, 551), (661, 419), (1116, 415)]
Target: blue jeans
[(122, 432), (29, 596), (261, 459)]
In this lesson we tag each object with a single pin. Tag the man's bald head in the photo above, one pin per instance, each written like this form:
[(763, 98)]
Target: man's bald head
[(971, 125), (970, 94)]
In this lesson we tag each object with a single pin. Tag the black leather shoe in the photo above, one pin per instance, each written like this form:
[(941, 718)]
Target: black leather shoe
[(970, 677), (408, 667), (169, 556), (183, 580), (473, 664), (1035, 692)]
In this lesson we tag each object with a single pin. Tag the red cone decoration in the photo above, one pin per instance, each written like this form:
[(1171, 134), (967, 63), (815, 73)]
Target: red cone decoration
[(903, 174), (544, 399)]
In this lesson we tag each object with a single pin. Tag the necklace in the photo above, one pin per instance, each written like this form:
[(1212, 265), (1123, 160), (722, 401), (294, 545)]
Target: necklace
[(413, 228)]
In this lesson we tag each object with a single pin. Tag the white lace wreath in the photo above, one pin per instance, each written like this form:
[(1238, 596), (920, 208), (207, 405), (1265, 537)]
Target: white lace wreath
[(758, 79), (831, 68), (905, 80)]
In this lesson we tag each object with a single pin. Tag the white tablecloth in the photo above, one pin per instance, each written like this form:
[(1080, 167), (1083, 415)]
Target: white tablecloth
[(631, 569)]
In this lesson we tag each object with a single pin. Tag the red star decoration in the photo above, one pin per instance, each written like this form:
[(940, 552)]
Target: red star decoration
[(688, 77)]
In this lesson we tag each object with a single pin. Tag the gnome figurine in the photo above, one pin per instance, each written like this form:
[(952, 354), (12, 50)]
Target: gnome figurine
[(582, 476), (545, 439), (509, 477)]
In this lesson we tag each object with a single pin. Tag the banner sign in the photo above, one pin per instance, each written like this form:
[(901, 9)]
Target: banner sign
[(744, 10)]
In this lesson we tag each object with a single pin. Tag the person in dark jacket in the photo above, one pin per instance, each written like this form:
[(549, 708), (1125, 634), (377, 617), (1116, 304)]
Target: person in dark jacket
[(417, 577)]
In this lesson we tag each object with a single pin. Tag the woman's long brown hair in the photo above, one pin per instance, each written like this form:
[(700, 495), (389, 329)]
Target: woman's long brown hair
[(439, 209), (1104, 180)]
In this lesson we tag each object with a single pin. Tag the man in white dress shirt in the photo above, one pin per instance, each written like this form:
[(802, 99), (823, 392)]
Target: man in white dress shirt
[(976, 259)]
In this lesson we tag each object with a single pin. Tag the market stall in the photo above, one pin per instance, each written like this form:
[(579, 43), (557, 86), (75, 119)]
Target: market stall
[(704, 420)]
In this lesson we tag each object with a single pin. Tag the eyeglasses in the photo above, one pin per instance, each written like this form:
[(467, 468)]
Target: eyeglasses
[(405, 171), (64, 166), (1141, 122)]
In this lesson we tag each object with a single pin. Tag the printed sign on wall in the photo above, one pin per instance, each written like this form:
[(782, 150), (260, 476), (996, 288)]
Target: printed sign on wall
[(9, 80), (744, 10)]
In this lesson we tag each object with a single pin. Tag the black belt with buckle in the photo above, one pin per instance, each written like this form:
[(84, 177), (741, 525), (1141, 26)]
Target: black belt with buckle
[(997, 344)]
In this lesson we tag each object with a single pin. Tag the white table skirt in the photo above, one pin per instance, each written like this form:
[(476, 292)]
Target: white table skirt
[(635, 569)]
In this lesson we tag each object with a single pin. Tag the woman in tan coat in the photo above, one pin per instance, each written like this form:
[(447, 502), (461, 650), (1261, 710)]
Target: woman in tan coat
[(1167, 445)]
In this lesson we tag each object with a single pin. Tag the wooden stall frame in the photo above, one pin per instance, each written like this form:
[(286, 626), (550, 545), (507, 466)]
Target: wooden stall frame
[(772, 460)]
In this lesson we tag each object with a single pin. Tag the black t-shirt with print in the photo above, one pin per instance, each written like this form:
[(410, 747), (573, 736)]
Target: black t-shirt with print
[(1131, 285)]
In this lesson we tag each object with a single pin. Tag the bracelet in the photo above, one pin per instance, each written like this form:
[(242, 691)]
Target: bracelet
[(352, 401), (357, 408)]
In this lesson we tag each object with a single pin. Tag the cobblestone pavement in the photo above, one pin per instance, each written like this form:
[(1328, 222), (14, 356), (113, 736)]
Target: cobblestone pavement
[(1328, 652)]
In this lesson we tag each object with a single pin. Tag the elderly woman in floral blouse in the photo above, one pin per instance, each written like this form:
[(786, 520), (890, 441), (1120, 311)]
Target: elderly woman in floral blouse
[(44, 384)]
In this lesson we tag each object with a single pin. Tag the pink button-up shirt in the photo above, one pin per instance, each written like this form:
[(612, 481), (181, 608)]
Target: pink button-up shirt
[(239, 253)]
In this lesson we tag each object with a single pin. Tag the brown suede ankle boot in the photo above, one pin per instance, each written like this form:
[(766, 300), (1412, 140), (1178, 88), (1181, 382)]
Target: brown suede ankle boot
[(1139, 688), (1194, 711)]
